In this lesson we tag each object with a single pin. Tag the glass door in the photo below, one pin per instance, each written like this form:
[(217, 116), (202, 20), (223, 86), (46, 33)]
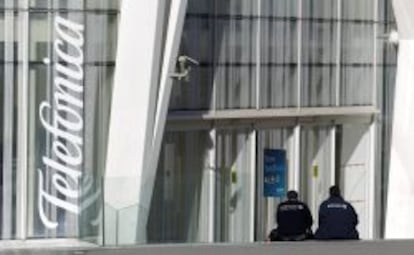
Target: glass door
[(179, 207), (278, 138), (317, 168), (234, 187)]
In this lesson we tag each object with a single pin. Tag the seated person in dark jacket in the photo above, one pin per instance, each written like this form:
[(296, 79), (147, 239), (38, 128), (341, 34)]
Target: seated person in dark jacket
[(294, 220), (337, 218)]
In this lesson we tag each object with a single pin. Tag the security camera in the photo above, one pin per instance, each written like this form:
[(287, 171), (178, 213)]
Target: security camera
[(184, 64), (184, 59)]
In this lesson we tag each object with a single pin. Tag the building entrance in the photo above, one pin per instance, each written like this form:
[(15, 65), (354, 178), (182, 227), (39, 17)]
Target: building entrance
[(320, 156)]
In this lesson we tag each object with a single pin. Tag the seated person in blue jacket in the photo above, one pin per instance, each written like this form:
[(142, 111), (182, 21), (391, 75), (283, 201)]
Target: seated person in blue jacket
[(337, 218), (294, 220)]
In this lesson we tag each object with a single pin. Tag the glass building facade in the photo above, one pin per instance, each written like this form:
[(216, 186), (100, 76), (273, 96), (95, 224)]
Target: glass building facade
[(45, 64), (314, 78), (299, 66)]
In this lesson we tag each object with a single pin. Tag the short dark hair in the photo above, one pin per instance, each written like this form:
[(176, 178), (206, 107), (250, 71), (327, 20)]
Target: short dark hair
[(334, 191), (291, 194)]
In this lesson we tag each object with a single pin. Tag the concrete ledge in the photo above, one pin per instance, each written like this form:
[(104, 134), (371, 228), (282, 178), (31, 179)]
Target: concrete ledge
[(380, 247), (43, 244)]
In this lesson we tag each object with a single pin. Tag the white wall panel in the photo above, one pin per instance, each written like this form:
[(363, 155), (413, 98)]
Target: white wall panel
[(400, 207)]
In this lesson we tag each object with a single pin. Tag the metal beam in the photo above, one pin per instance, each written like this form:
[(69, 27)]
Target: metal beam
[(273, 113)]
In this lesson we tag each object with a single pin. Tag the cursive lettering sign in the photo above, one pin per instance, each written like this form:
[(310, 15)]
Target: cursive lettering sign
[(62, 118)]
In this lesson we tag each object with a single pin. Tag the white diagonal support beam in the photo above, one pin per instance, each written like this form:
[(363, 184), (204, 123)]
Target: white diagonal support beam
[(400, 202), (133, 104), (172, 44), (140, 100)]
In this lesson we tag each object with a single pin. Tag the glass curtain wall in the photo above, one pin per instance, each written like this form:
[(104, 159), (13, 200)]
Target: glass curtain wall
[(252, 54), (71, 51), (276, 54), (319, 53), (9, 73), (269, 54), (357, 52)]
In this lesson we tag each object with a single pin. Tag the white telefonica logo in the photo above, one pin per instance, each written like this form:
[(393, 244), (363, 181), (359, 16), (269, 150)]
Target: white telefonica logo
[(62, 118)]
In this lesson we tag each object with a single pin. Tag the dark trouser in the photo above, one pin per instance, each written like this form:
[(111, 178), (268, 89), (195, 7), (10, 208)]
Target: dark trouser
[(276, 236)]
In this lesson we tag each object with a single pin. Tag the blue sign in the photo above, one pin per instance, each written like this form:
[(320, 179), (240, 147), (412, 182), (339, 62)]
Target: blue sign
[(274, 177)]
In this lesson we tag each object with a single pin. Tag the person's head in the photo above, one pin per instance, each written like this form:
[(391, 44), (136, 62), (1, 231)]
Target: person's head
[(334, 191), (291, 194)]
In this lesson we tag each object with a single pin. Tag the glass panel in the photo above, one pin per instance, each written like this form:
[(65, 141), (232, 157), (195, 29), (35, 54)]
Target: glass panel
[(200, 7), (266, 206), (180, 200), (387, 68), (67, 134), (234, 194), (320, 9), (316, 166), (76, 4), (319, 63), (57, 4), (279, 8), (278, 67), (197, 42), (103, 4), (8, 147), (235, 7), (357, 43), (222, 37), (100, 38), (235, 73), (385, 11), (37, 90), (278, 53), (57, 199), (9, 78), (357, 64), (358, 9), (99, 80)]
